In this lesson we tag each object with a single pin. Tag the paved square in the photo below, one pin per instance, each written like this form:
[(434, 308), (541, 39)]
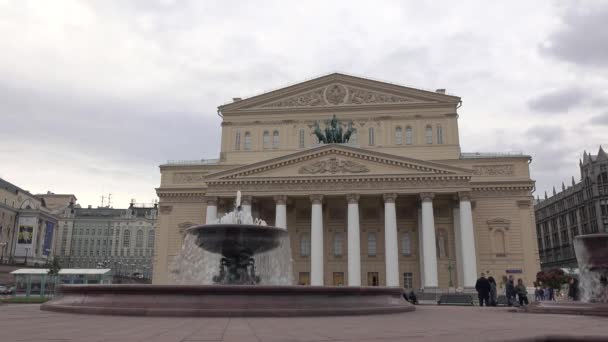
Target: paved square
[(428, 323)]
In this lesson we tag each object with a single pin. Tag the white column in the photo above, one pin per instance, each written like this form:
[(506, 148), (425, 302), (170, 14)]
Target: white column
[(280, 218), (420, 248), (246, 204), (316, 241), (211, 215), (429, 249), (391, 241), (354, 241), (467, 241), (458, 245)]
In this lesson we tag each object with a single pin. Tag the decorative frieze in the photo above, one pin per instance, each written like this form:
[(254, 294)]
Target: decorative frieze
[(188, 178), (493, 170), (336, 94), (333, 165)]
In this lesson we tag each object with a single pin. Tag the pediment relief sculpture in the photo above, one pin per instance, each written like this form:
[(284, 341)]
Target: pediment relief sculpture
[(336, 94), (333, 165)]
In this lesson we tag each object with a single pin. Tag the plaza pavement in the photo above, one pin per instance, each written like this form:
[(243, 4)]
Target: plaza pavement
[(427, 323)]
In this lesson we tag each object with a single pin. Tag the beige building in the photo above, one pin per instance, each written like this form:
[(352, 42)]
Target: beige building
[(398, 205)]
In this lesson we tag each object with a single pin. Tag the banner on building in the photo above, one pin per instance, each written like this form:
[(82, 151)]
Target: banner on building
[(48, 238), (25, 235)]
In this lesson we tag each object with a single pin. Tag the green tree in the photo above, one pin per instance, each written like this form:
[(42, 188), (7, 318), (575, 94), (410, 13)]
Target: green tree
[(53, 273), (554, 278)]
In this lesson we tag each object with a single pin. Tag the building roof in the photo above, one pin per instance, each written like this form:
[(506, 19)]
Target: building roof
[(12, 187), (92, 271)]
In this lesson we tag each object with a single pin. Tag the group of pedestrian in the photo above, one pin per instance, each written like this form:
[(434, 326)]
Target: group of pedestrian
[(486, 291)]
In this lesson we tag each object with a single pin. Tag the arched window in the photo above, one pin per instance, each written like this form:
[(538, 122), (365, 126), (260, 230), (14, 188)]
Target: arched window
[(247, 141), (408, 135), (439, 134), (139, 238), (353, 137), (338, 244), (237, 141), (301, 138), (372, 138), (151, 239), (429, 134), (275, 139), (398, 136), (126, 238), (406, 244), (371, 244), (305, 245), (266, 139)]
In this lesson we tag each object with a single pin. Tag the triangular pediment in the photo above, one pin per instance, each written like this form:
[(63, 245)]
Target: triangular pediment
[(339, 90), (337, 160)]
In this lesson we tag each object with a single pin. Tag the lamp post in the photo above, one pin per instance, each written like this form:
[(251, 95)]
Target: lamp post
[(3, 246), (27, 252), (450, 272)]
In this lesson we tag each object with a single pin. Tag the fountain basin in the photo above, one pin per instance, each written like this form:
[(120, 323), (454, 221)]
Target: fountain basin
[(235, 239), (227, 301)]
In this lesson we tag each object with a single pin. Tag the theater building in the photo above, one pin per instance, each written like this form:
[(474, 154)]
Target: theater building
[(399, 204)]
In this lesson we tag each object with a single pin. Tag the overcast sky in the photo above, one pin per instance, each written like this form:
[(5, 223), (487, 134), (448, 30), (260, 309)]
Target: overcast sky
[(95, 95)]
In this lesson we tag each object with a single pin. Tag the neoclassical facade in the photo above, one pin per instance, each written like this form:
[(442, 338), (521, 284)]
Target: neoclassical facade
[(398, 205)]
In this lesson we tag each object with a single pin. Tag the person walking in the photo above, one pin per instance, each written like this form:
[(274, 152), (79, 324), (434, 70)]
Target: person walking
[(573, 289), (483, 290), (492, 281), (510, 291), (522, 292)]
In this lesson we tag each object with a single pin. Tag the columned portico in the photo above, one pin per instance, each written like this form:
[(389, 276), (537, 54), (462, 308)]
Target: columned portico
[(211, 215), (316, 243), (354, 241), (467, 241), (429, 249), (281, 211), (391, 240)]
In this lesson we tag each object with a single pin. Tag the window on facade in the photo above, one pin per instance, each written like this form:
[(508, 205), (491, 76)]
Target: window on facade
[(237, 141), (338, 278), (439, 134), (247, 146), (301, 138), (406, 244), (429, 134), (305, 245), (126, 238), (408, 280), (139, 238), (373, 279), (151, 239), (353, 137), (275, 139), (371, 135), (408, 135), (398, 136), (371, 244), (338, 244), (304, 278), (266, 139)]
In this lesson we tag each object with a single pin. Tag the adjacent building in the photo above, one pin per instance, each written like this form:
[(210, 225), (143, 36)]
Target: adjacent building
[(104, 237), (27, 226), (581, 208), (399, 204)]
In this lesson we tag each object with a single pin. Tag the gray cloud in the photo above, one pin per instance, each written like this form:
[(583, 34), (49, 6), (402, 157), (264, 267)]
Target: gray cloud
[(583, 37), (601, 119), (558, 101)]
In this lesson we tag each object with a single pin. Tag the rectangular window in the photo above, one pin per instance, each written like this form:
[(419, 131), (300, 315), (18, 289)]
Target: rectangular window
[(439, 135), (338, 244), (237, 141), (371, 244), (408, 280), (301, 138), (304, 278), (372, 279), (406, 244), (408, 136), (305, 245), (372, 138), (429, 135)]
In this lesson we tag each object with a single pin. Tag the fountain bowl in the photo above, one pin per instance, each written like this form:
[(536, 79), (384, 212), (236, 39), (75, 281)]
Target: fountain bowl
[(235, 239), (227, 300)]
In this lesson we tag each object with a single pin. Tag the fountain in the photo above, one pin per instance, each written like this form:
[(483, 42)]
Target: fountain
[(236, 266), (592, 257)]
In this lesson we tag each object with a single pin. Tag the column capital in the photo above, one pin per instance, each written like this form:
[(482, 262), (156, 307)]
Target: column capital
[(280, 199), (352, 198), (316, 199), (464, 195), (427, 196), (246, 200), (211, 200), (389, 198)]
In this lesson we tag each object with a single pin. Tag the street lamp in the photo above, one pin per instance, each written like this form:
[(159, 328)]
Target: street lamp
[(3, 246), (27, 252), (450, 272)]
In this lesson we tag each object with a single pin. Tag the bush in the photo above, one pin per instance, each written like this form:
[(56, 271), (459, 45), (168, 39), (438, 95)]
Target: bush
[(553, 278)]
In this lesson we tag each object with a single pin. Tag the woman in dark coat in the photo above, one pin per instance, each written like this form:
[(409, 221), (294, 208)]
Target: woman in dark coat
[(492, 281), (573, 289)]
